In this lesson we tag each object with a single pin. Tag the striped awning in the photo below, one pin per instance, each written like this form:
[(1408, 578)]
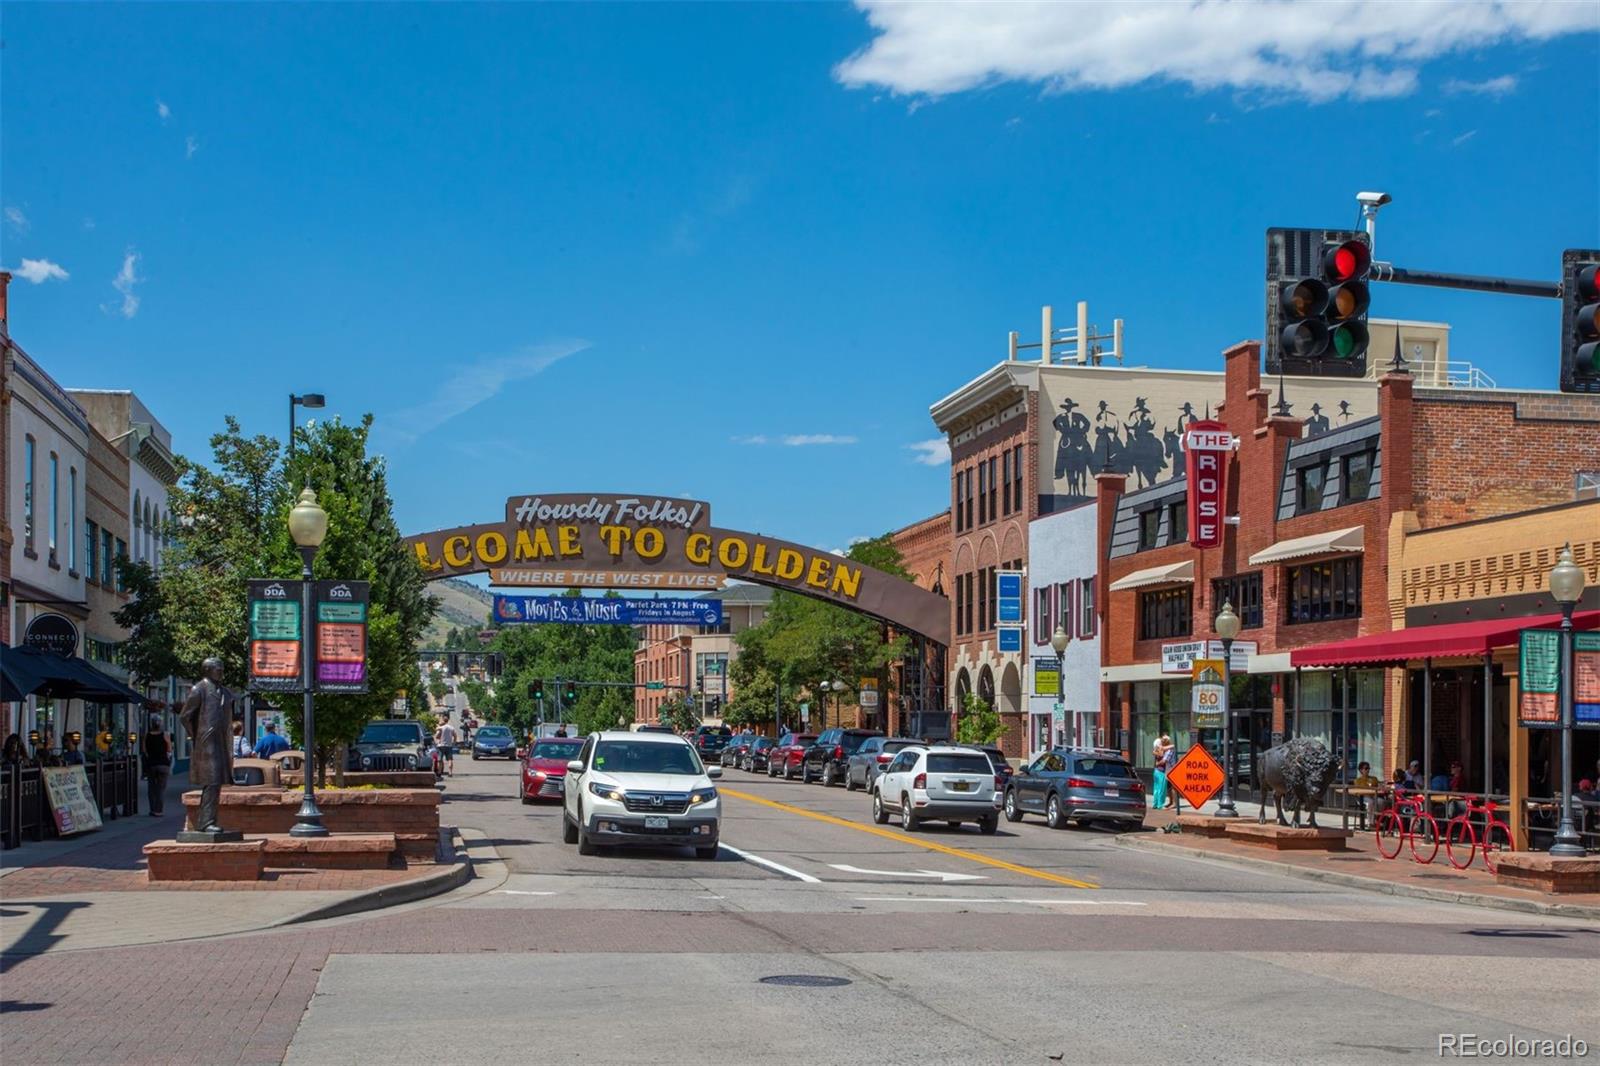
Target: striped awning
[(1172, 574), (1338, 542)]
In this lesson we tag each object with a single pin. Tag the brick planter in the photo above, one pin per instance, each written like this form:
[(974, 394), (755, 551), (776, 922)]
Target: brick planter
[(236, 861), (1205, 825), (341, 851), (411, 814), (387, 778), (1286, 838), (1548, 873)]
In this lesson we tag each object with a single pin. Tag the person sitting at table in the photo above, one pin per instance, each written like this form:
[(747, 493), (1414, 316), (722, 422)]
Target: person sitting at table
[(1364, 779), (71, 755), (1457, 782), (1413, 775)]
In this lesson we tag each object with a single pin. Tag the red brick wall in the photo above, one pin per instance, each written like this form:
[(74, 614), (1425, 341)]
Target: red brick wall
[(1477, 456)]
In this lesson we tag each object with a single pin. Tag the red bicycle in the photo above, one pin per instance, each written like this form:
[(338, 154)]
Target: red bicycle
[(1462, 836), (1408, 821)]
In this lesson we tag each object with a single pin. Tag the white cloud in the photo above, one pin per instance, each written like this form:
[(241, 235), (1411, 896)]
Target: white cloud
[(18, 220), (1360, 49), (754, 438), (1500, 86), (124, 282), (190, 146), (935, 452), (801, 440), (474, 384), (1457, 142), (39, 271), (163, 110), (88, 223)]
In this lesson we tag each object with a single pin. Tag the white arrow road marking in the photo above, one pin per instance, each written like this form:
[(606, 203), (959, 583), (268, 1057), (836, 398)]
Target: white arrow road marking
[(909, 873), (522, 892), (963, 899), (769, 864)]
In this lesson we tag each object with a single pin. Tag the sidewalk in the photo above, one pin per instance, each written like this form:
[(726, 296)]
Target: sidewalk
[(90, 891), (1360, 866)]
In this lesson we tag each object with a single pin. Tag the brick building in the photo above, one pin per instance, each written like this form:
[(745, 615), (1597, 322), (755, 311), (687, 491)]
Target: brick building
[(693, 660), (1320, 510), (915, 705)]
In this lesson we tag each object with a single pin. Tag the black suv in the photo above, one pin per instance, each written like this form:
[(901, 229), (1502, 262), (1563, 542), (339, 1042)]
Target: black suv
[(828, 758), (709, 740)]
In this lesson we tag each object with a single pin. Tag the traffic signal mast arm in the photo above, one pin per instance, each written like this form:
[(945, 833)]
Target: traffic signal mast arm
[(1439, 279)]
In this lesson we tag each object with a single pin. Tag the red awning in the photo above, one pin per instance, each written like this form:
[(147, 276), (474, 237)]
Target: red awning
[(1458, 639)]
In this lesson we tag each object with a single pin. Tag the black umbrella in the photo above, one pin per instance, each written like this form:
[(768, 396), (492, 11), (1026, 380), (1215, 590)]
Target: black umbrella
[(22, 673), (27, 671)]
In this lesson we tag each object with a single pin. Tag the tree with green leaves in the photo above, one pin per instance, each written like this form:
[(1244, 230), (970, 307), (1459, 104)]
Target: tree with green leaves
[(437, 688), (149, 653), (680, 714), (575, 653), (477, 694), (979, 723)]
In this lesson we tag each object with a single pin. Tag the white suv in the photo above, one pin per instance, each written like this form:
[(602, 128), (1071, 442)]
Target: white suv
[(643, 789), (952, 785)]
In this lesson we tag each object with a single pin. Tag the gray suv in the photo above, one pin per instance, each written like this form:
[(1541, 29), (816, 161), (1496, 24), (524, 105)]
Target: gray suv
[(390, 744), (1082, 785)]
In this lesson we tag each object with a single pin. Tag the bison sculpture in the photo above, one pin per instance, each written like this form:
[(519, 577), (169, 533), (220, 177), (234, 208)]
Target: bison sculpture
[(1302, 770)]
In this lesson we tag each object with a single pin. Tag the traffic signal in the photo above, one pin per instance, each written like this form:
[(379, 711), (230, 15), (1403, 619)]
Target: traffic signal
[(536, 689), (1580, 320), (453, 662), (1317, 302), (571, 694)]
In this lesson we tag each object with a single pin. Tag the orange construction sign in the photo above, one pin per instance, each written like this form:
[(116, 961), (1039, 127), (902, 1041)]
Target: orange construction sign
[(1197, 777)]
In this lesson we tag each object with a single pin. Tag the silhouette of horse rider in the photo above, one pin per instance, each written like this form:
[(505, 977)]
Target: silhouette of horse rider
[(1145, 455), (1073, 453)]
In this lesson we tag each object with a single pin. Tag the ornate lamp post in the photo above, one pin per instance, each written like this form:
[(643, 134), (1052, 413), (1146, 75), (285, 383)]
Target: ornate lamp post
[(309, 400), (1566, 585), (838, 711), (308, 525), (1058, 641), (1227, 626)]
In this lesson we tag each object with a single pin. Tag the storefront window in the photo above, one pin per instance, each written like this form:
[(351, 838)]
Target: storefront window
[(1344, 710), (1161, 708)]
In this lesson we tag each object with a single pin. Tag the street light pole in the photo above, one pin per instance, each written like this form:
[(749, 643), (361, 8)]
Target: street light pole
[(1058, 641), (1227, 627), (308, 525), (1566, 585), (310, 399), (838, 704)]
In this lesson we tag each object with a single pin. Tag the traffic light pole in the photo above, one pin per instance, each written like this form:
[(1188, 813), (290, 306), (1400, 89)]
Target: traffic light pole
[(1438, 279)]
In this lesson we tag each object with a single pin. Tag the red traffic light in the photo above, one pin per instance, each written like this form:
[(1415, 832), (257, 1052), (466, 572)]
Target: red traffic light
[(1344, 262)]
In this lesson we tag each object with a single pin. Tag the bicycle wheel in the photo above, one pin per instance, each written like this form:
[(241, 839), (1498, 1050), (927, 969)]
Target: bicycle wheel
[(1496, 839), (1460, 841), (1390, 834), (1424, 834)]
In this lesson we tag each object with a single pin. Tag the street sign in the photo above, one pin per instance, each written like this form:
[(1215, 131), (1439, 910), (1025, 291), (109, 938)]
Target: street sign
[(1008, 597), (54, 633), (1206, 693), (610, 610), (1197, 777), (1179, 658), (1058, 716), (1010, 638), (1046, 677), (654, 686), (868, 694), (1539, 678)]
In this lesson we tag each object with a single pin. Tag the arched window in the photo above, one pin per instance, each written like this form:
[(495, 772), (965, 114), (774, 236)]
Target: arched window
[(149, 531), (138, 539)]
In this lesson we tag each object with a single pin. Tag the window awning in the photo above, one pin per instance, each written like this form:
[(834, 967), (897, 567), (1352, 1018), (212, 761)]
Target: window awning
[(1339, 542), (1455, 640), (27, 671), (1173, 574)]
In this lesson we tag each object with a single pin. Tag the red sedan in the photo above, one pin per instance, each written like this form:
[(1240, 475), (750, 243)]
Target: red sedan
[(544, 767), (787, 758)]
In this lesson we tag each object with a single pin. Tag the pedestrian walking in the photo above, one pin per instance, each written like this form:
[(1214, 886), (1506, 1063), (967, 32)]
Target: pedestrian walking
[(241, 744), (445, 739), (1158, 793), (157, 766)]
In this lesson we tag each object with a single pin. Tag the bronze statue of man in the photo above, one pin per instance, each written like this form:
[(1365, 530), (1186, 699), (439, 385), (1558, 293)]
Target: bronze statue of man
[(208, 716)]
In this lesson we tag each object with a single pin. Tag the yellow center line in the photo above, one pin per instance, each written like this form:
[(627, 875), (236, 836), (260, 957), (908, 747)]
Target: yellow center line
[(904, 838)]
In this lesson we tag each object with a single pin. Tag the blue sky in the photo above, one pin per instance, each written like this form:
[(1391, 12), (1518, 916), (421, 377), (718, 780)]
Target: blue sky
[(735, 251)]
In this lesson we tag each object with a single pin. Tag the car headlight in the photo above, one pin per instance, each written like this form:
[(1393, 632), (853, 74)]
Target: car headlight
[(610, 792), (702, 795), (366, 762)]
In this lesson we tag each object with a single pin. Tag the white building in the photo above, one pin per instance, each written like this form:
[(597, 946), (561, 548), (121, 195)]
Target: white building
[(1061, 573), (127, 423)]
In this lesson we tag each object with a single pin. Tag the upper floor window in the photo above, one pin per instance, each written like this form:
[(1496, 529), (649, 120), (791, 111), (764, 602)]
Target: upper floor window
[(1005, 482), (961, 605), (1355, 480), (1323, 592), (994, 487), (1178, 522), (983, 492), (1149, 529), (55, 503), (1086, 619), (1166, 613), (91, 551), (1308, 484), (1041, 615), (1244, 592), (72, 521), (1016, 482), (29, 461), (1063, 617), (122, 557)]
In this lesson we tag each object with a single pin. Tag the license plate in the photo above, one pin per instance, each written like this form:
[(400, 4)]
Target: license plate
[(561, 786), (655, 823), (960, 786), (1112, 792)]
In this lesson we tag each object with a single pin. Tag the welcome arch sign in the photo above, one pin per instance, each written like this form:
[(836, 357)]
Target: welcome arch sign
[(579, 540)]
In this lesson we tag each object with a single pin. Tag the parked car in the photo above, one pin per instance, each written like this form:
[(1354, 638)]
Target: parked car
[(493, 742), (641, 789), (1002, 765), (1083, 785), (784, 761), (655, 727), (827, 759), (755, 756), (940, 784), (735, 750), (390, 744), (709, 740), (868, 761), (544, 771)]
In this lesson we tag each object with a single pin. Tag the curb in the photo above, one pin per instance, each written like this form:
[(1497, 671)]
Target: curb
[(1368, 884), (457, 873)]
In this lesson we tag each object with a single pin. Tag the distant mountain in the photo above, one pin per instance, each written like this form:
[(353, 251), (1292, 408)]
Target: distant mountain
[(462, 605)]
